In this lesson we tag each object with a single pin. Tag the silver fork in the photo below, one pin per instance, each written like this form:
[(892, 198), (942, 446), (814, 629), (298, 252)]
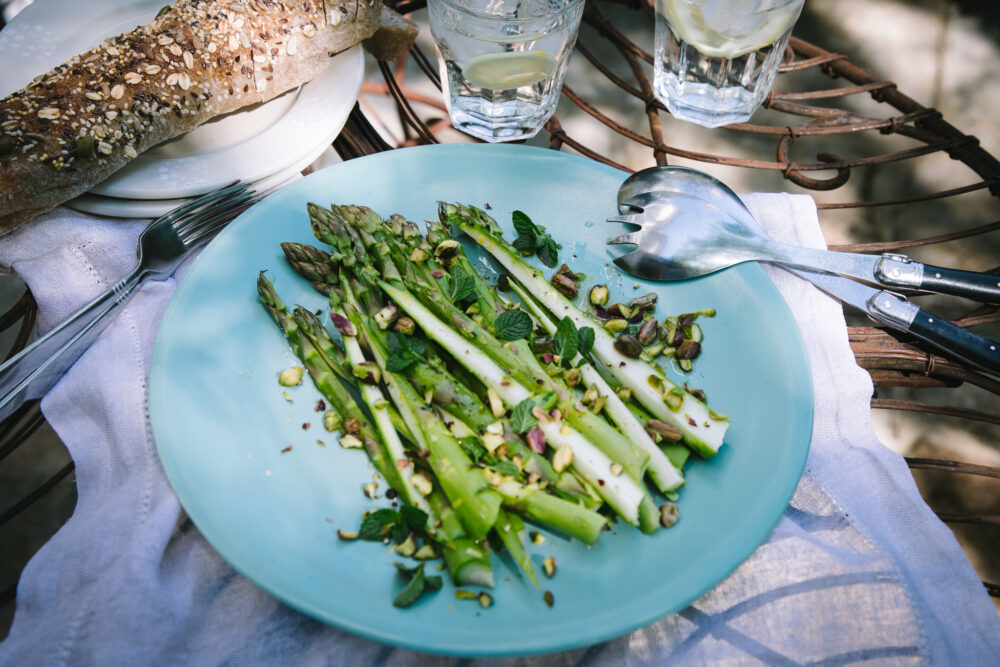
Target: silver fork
[(161, 248)]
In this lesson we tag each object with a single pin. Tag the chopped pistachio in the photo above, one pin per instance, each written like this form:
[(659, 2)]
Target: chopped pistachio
[(446, 249), (599, 295), (290, 377), (562, 458), (617, 469), (491, 441), (426, 552), (421, 483), (350, 441), (418, 256), (485, 600), (616, 325), (287, 396), (598, 404), (537, 539), (405, 325), (549, 566), (495, 428), (549, 598), (345, 535), (407, 547), (386, 316), (370, 489), (496, 403), (462, 594), (670, 512), (368, 372)]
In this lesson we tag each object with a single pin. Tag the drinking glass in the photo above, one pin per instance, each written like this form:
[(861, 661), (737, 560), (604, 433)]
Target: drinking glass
[(715, 60), (503, 62)]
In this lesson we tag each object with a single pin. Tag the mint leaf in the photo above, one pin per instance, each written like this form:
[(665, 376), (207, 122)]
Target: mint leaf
[(414, 517), (567, 339), (548, 252), (462, 285), (399, 362), (585, 336), (395, 342), (413, 590), (374, 526), (513, 325), (472, 448), (521, 419), (523, 225), (524, 245)]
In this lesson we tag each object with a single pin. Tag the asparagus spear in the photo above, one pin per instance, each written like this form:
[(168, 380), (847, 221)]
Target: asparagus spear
[(703, 429), (663, 473), (619, 491)]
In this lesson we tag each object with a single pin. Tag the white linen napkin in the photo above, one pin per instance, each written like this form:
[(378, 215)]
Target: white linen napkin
[(858, 569)]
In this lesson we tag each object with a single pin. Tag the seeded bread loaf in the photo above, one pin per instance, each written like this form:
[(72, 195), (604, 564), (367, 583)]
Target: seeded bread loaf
[(76, 125)]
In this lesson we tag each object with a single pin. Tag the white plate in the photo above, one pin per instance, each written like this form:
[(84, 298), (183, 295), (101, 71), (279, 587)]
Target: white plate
[(251, 145)]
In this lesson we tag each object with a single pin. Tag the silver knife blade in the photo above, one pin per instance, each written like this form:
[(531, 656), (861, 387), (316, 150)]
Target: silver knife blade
[(884, 307)]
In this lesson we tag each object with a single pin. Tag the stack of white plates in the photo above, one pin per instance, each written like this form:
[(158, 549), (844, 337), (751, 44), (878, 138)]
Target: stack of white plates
[(264, 144)]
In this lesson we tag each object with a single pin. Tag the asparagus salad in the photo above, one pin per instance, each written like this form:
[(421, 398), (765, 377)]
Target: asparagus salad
[(484, 406)]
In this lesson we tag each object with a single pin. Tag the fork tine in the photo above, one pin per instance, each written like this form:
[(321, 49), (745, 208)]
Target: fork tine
[(203, 201), (634, 238), (220, 217), (627, 219)]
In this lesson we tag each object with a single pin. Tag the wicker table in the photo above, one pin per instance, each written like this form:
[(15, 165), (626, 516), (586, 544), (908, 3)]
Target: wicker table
[(829, 123)]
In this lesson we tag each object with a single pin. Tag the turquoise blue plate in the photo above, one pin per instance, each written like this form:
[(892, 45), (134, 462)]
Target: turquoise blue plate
[(268, 487)]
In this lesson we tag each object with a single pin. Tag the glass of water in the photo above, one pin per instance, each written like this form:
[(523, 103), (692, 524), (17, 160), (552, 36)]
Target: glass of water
[(715, 60), (503, 62)]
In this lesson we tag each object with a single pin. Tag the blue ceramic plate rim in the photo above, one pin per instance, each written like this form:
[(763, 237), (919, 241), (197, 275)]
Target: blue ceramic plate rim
[(223, 468)]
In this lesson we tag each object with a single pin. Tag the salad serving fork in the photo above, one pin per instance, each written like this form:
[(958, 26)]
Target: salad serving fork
[(691, 224), (162, 246)]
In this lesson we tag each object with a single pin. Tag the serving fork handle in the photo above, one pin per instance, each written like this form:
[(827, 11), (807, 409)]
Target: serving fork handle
[(34, 370)]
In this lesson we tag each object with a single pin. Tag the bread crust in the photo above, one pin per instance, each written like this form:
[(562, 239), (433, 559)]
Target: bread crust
[(76, 125)]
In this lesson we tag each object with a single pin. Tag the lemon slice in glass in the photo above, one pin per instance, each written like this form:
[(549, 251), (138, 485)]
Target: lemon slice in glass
[(724, 29), (512, 69)]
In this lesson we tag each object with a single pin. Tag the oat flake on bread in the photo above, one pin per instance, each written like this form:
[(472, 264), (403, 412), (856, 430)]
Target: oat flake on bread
[(76, 125)]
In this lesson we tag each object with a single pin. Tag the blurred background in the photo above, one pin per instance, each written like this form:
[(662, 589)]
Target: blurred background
[(942, 53)]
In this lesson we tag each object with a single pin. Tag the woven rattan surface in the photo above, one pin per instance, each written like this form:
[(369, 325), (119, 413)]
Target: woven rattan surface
[(830, 128)]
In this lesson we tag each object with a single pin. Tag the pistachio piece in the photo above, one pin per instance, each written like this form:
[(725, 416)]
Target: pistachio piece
[(331, 420), (628, 345), (418, 256), (485, 600), (648, 332), (345, 535), (616, 325), (571, 377), (688, 349), (405, 326), (598, 295), (386, 316), (562, 458), (368, 372), (496, 403), (290, 377), (669, 514), (661, 430), (407, 547), (549, 598), (421, 483), (549, 566), (446, 249), (426, 552), (567, 286), (350, 441), (617, 469)]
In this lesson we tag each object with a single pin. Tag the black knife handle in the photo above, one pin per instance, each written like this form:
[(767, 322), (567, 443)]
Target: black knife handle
[(981, 287), (957, 341)]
